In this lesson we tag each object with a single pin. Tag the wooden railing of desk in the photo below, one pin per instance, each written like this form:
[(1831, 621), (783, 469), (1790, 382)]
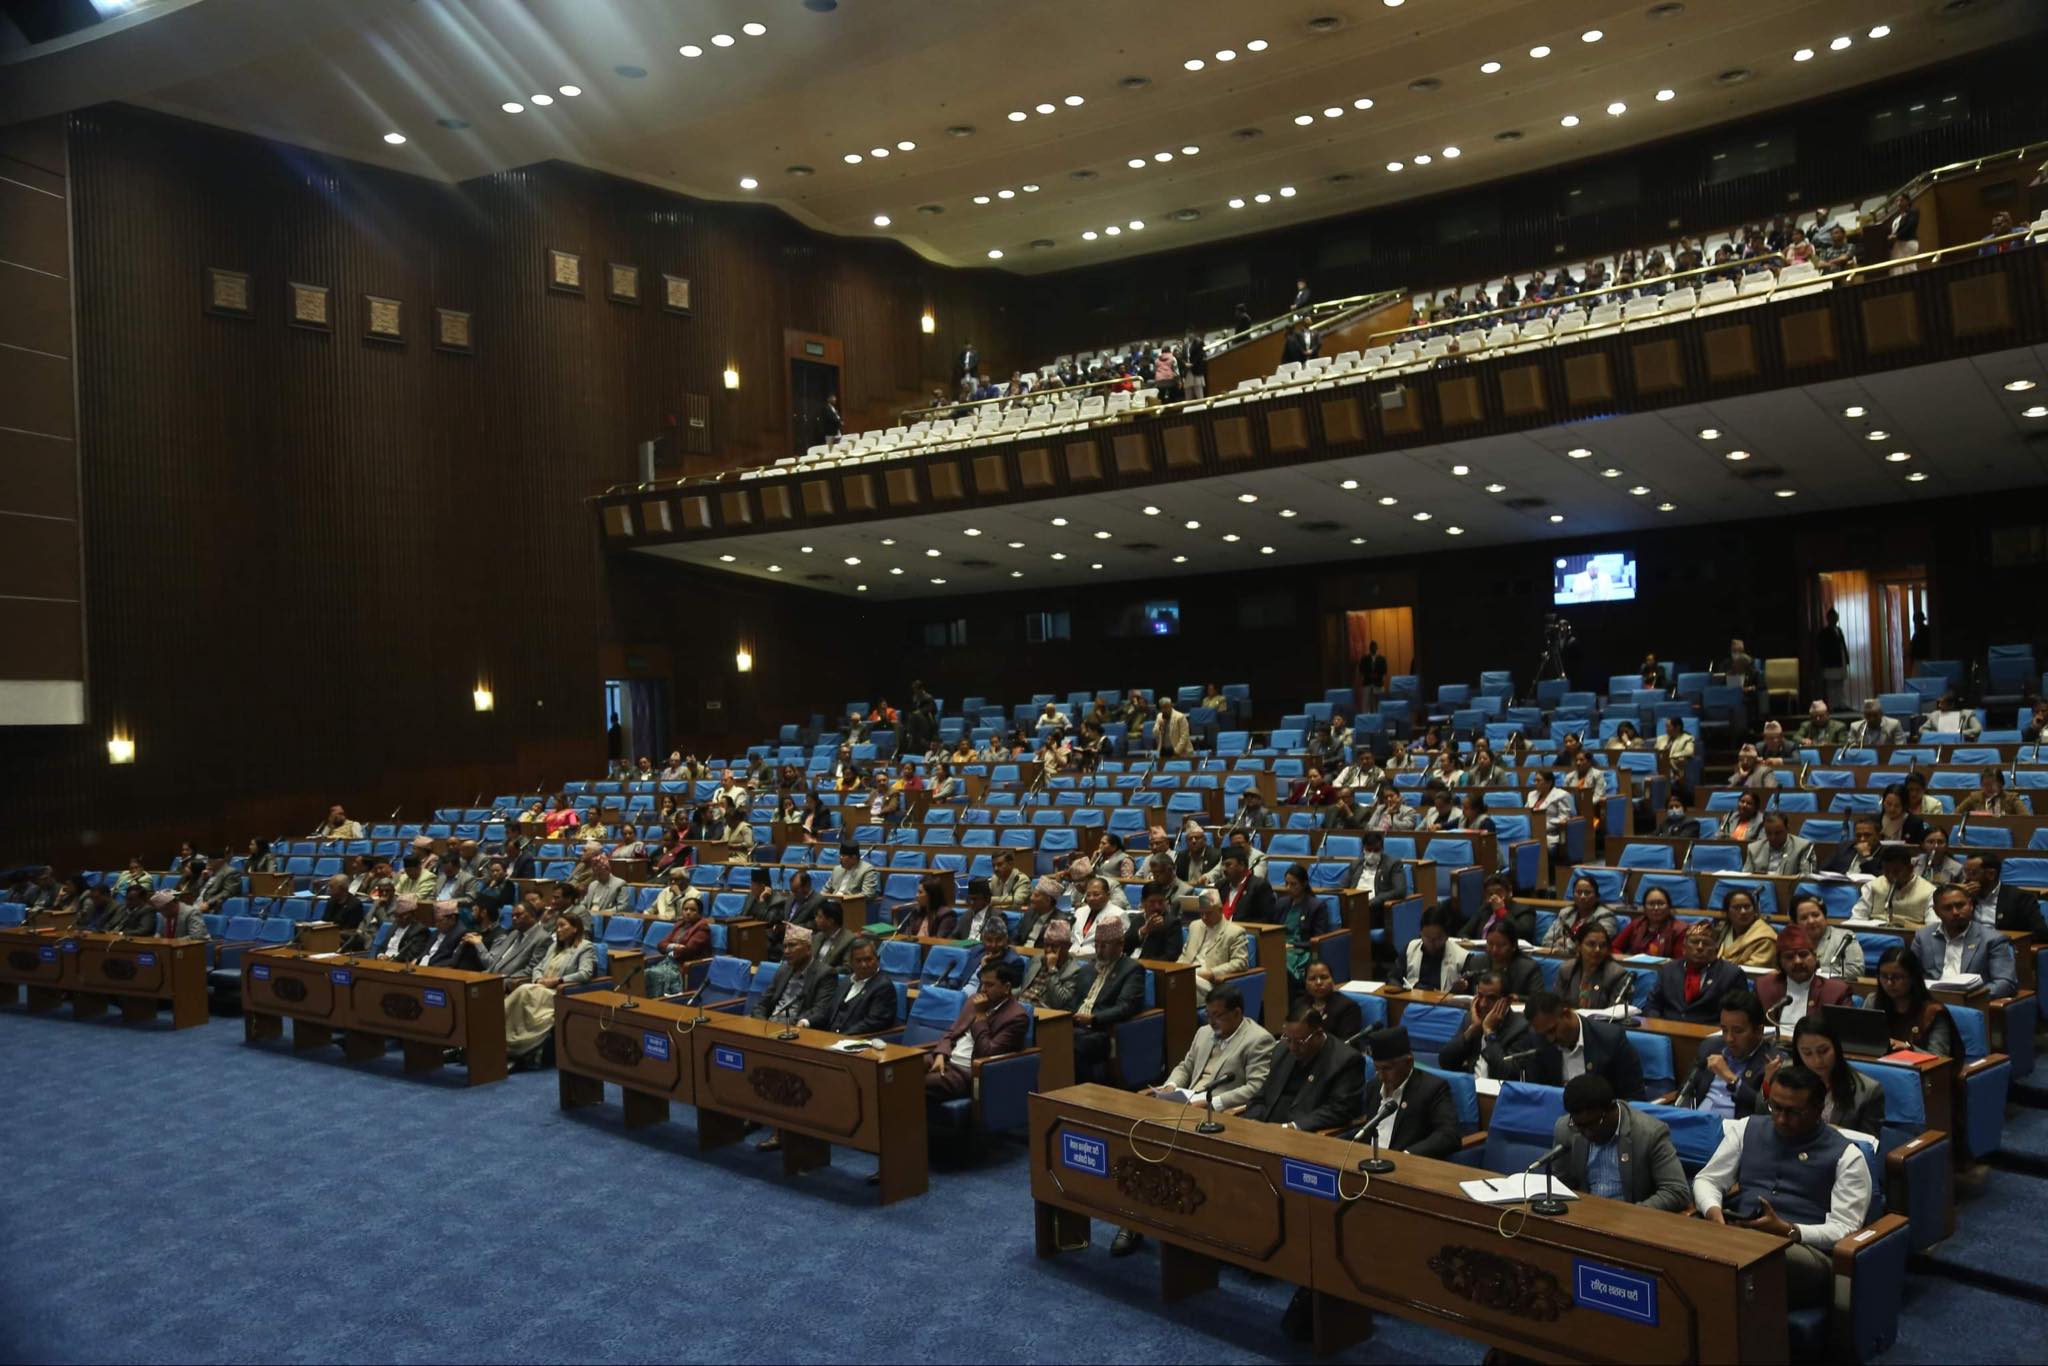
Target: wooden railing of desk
[(1268, 1199), (361, 1002), (94, 970)]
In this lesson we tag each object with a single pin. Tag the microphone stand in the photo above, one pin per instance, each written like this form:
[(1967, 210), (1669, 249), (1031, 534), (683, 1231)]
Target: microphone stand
[(1377, 1165), (1547, 1204), (1212, 1125)]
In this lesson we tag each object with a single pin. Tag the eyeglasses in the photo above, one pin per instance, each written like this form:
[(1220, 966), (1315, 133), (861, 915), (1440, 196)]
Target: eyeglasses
[(1790, 1111)]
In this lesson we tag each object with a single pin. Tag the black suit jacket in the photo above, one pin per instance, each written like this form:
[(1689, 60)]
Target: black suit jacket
[(816, 1000), (1122, 996), (413, 941), (2019, 909), (805, 911), (1427, 1122), (1462, 1052), (1607, 1053), (1332, 1091), (869, 1012), (1255, 904), (1342, 1016), (1521, 919), (448, 951), (1667, 998)]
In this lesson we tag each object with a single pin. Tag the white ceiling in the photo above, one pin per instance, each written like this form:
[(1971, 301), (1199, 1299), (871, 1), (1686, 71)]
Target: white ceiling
[(337, 75), (1955, 420)]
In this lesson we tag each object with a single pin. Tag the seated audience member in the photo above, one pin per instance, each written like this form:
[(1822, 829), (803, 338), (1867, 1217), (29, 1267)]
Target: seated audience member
[(1779, 851), (1114, 994), (1502, 954), (1935, 864), (1676, 744), (607, 893), (2001, 906), (1573, 1047), (1497, 906), (668, 904), (1495, 1040), (1915, 1020), (1551, 802), (523, 945), (1304, 915), (1991, 797), (448, 946), (931, 915), (990, 1024), (864, 1002), (1096, 909), (416, 880), (854, 876), (1692, 989), (980, 913), (1858, 853), (1728, 1075), (1746, 822), (1316, 1081), (1160, 933), (831, 941), (1429, 963), (173, 919), (995, 951), (1378, 874), (1899, 896), (1042, 909), (1585, 776), (1341, 1015), (496, 890), (1615, 1151), (1414, 1111), (1655, 932), (99, 913), (1791, 1175), (1797, 987), (138, 916), (689, 942), (1391, 813), (1957, 946), (1225, 1068), (1747, 939), (1950, 717), (1837, 953), (1197, 858), (1875, 730), (1591, 979), (1819, 728), (1061, 978), (1585, 909), (408, 937), (1008, 889), (1246, 896), (1855, 1101), (802, 987), (530, 1009), (337, 826), (1678, 822)]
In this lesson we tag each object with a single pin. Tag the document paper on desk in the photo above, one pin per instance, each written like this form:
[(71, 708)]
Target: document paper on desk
[(1512, 1190)]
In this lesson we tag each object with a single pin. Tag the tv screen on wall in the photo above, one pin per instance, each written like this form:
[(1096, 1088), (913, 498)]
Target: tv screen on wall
[(1609, 576)]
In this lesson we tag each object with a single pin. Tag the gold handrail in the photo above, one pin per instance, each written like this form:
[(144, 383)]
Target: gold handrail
[(1924, 179)]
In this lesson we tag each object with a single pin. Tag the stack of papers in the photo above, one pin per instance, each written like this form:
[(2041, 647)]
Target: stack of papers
[(1512, 1190), (1961, 981), (1363, 988), (1860, 923)]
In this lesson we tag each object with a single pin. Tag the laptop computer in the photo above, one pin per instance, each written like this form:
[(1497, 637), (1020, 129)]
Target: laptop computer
[(1864, 1033)]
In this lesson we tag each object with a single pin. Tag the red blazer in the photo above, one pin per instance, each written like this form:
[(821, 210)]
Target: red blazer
[(688, 943), (1822, 991), (1001, 1031)]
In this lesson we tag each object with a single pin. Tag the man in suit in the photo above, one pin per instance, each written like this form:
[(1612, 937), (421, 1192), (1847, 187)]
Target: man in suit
[(1957, 944), (1227, 1045), (174, 919), (1731, 1072), (767, 904), (1858, 853), (448, 946), (1497, 903), (1009, 889), (803, 901), (2000, 907), (223, 880), (1875, 730), (991, 1023), (802, 988), (519, 951), (854, 876), (1779, 851), (1788, 994), (1372, 678), (1415, 1111), (1170, 731), (408, 938), (607, 892), (866, 1002), (1315, 1082), (1217, 947), (343, 910), (1819, 728), (1197, 860), (1576, 1047), (1114, 994), (1495, 1041), (458, 883), (831, 941), (981, 912), (1383, 878), (1692, 988), (1616, 1151), (1096, 906), (969, 363), (1245, 897), (1430, 963)]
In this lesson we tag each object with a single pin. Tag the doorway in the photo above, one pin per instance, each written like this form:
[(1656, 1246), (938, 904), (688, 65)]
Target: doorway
[(639, 708), (810, 384), (1393, 628), (1878, 614)]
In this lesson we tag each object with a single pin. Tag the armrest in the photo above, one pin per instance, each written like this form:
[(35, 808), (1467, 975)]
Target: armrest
[(1871, 1266), (1138, 1047), (1002, 1089), (1919, 1182)]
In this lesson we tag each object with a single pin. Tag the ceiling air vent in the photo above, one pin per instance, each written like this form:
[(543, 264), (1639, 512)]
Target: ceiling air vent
[(960, 130), (1339, 178), (1670, 9), (1135, 82), (1140, 546), (1525, 504), (1186, 215), (1325, 23), (1083, 175), (1246, 134), (1508, 135), (976, 564), (798, 170), (1734, 75), (1321, 526), (1749, 474), (1428, 85), (931, 210)]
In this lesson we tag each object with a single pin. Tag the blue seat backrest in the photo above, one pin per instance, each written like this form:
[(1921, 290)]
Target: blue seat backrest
[(1464, 1094), (1694, 1133), (945, 962), (1766, 894), (1683, 890), (1518, 1132), (1648, 856), (728, 977), (1654, 1052), (1609, 880), (1971, 1030), (1431, 1027), (900, 958), (931, 1014)]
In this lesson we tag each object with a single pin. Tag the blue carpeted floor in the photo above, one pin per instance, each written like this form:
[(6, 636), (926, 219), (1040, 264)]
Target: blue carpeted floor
[(180, 1197)]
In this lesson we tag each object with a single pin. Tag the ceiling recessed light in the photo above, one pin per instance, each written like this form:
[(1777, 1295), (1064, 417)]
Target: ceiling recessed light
[(1786, 493), (747, 182), (1348, 484), (1044, 108), (1709, 433), (1059, 554), (722, 40), (1102, 535), (1419, 516), (1230, 536), (1667, 507), (1610, 473), (1881, 31), (878, 152), (1015, 545), (1255, 45), (1556, 517), (1804, 54), (1225, 54), (1265, 550), (1422, 159), (1247, 497), (395, 139), (1006, 194), (1738, 455), (1877, 434), (2036, 411), (1454, 531), (1666, 96), (1539, 52), (542, 100), (888, 540), (1358, 540), (1335, 111), (881, 220), (725, 559), (2018, 386), (1496, 488), (1073, 101), (775, 569), (805, 549), (1461, 470), (1569, 121), (1899, 457), (1059, 521), (1841, 43), (1030, 189), (1136, 163), (1617, 108), (1395, 165), (1194, 64), (691, 50), (1180, 559), (1387, 500), (860, 588), (1488, 68), (1190, 150), (1362, 102), (853, 559), (1016, 573), (932, 553), (1162, 156), (852, 158), (1304, 119), (1089, 236), (1288, 512), (1237, 203), (1639, 490), (1917, 477), (1287, 192), (1452, 153), (513, 107), (1113, 230), (1591, 35), (753, 30), (995, 253), (1192, 525), (1853, 410), (1578, 452), (981, 199), (1018, 116), (1151, 511), (1095, 566), (938, 581)]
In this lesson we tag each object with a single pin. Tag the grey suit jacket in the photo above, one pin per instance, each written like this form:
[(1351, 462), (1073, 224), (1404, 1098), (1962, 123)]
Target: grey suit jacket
[(603, 898), (1248, 1052), (516, 954), (1390, 880), (190, 924), (1650, 1172), (1986, 952), (1796, 857), (859, 880), (579, 965)]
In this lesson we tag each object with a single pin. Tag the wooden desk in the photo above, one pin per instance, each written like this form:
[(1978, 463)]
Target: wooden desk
[(1409, 1242), (365, 1002), (1270, 943), (816, 1096), (95, 970), (643, 1051), (31, 962), (49, 920), (1173, 991)]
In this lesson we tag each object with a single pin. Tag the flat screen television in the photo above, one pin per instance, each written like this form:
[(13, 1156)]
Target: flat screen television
[(1608, 576)]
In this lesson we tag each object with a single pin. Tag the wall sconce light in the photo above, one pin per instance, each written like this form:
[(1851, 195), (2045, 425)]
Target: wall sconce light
[(732, 377), (928, 324), (120, 749), (484, 698), (743, 660)]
